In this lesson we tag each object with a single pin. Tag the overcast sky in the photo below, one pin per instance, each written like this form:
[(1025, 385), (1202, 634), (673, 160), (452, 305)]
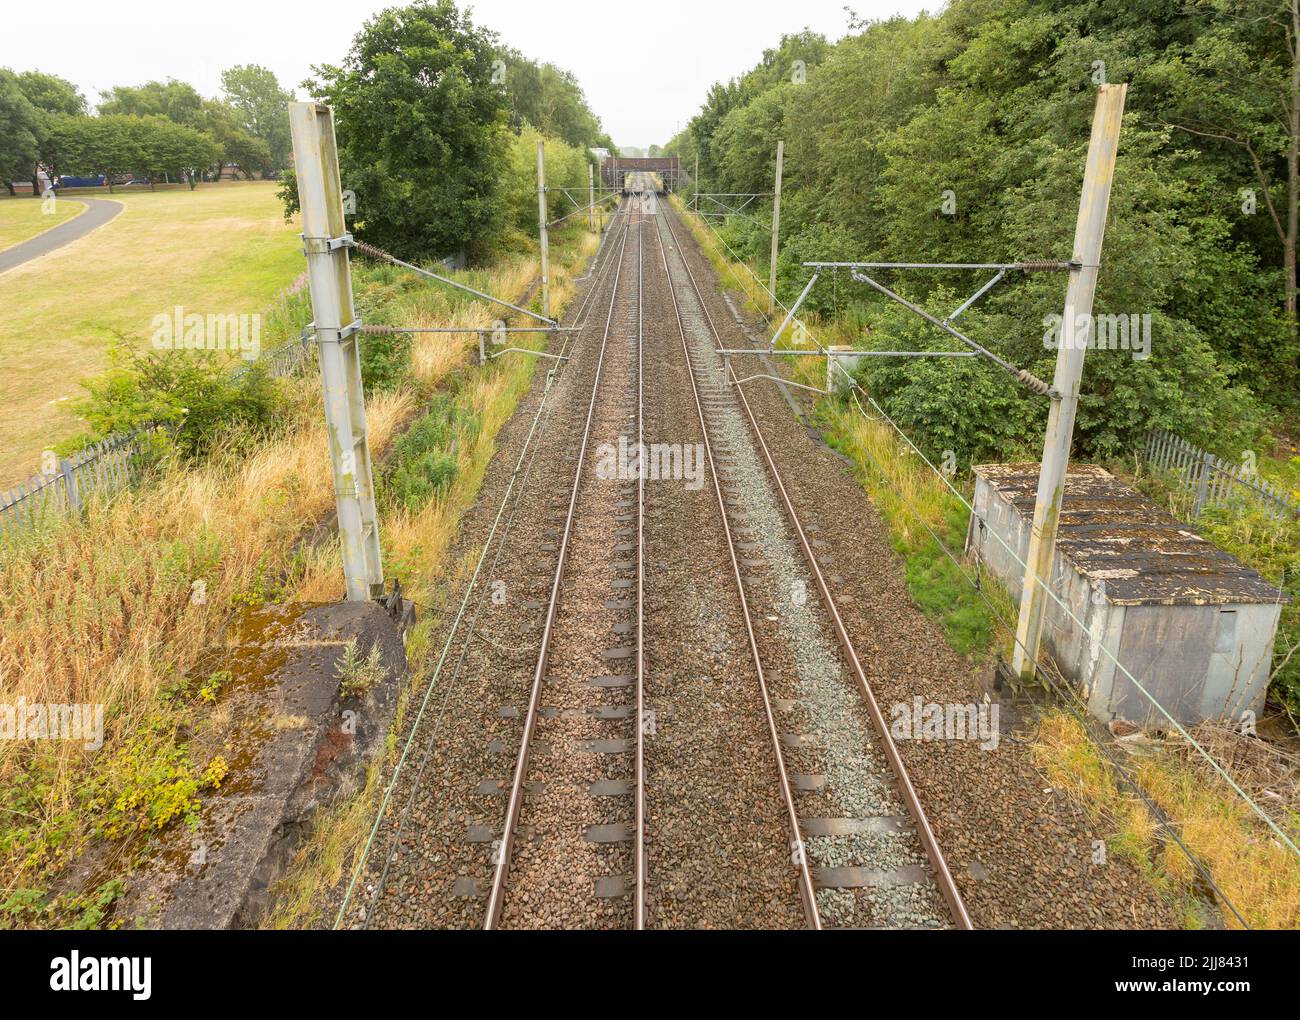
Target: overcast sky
[(645, 76)]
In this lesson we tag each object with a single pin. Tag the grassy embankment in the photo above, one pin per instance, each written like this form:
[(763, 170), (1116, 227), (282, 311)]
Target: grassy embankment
[(102, 609), (223, 248), (1255, 870)]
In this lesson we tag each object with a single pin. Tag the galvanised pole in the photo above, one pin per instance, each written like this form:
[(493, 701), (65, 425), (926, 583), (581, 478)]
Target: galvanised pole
[(325, 243), (591, 197), (776, 229), (1072, 344), (541, 221)]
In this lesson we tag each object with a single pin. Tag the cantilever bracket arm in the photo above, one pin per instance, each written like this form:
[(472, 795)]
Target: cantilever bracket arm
[(528, 350), (383, 256), (793, 308), (1020, 374), (776, 378), (993, 282)]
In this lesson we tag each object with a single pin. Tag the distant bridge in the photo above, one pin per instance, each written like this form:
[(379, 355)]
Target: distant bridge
[(615, 169)]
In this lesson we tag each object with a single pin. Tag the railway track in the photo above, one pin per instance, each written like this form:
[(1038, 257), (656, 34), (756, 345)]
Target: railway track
[(648, 728), (437, 838), (577, 755), (858, 863), (716, 449)]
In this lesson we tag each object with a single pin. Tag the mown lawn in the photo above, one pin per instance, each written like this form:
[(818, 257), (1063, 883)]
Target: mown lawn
[(25, 217), (222, 249)]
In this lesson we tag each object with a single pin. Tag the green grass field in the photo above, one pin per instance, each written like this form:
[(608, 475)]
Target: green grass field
[(223, 249), (24, 217)]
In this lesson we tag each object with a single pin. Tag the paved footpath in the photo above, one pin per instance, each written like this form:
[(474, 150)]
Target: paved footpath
[(98, 212)]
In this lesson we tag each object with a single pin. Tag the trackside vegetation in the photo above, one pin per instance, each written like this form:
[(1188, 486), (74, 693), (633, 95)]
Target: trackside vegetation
[(114, 608), (428, 109), (960, 136), (927, 527), (226, 517)]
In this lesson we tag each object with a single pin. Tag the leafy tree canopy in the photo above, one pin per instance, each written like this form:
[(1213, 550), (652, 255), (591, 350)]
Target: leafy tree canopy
[(421, 121), (961, 137), (261, 108)]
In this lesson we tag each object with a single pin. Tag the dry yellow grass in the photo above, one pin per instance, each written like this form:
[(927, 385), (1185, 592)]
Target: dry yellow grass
[(219, 249), (105, 612), (421, 542), (1254, 869), (102, 611)]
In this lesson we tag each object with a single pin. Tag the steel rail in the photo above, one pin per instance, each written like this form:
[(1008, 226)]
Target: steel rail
[(639, 865), (798, 853), (943, 876), (881, 415), (496, 896), (516, 484)]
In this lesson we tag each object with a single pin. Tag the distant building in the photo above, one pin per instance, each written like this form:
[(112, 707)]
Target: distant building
[(1194, 625)]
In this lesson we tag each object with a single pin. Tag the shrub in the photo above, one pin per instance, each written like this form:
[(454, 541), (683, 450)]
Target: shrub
[(425, 458), (192, 394), (143, 788), (385, 361)]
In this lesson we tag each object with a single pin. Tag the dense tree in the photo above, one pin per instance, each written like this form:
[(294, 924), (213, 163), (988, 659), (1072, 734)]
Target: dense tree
[(551, 100), (1237, 85), (20, 131), (168, 148), (564, 163), (789, 62), (66, 145), (421, 124), (51, 94), (961, 137), (250, 153), (261, 108), (178, 101)]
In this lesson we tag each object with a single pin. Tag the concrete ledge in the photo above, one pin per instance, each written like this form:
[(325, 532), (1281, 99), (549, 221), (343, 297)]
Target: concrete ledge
[(294, 746)]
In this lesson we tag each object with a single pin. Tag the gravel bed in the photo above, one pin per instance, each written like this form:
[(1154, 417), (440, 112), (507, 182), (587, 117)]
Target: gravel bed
[(450, 799), (556, 867), (804, 662), (717, 842), (1019, 850)]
